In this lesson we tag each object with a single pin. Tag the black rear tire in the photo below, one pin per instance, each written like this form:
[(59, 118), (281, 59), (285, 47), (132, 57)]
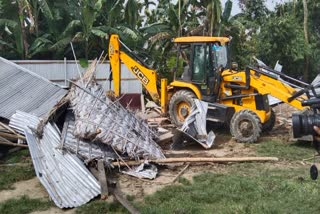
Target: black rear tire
[(245, 126), (180, 106), (268, 126)]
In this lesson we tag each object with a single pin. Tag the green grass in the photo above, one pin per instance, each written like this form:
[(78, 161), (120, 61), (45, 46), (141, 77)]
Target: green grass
[(98, 206), (246, 187), (23, 205), (11, 174), (283, 187), (237, 193), (21, 156), (291, 151)]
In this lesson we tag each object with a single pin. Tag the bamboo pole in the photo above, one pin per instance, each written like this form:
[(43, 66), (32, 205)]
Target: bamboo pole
[(13, 144), (197, 160), (12, 136)]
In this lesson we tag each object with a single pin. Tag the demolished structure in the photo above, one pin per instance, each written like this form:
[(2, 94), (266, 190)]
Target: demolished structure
[(97, 118), (26, 91), (65, 177), (69, 131), (97, 128)]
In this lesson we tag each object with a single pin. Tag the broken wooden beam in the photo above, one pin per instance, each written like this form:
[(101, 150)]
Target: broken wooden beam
[(164, 138), (120, 198), (180, 173), (103, 179), (13, 144), (187, 153), (197, 160), (12, 136)]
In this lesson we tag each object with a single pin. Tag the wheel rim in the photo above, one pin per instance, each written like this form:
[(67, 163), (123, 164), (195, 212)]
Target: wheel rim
[(183, 111), (246, 128)]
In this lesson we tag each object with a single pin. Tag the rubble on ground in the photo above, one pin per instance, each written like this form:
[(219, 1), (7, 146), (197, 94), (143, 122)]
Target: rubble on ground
[(95, 128), (283, 114), (99, 119), (70, 131), (65, 177)]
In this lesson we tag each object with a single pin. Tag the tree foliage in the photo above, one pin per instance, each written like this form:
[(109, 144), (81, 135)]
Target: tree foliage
[(42, 29)]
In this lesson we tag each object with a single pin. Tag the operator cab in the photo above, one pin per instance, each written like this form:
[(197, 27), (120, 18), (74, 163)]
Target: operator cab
[(203, 60)]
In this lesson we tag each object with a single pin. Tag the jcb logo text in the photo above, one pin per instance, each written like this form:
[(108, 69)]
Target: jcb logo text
[(140, 75)]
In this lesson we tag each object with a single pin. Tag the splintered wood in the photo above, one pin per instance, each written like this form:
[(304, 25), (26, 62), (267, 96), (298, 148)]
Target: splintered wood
[(8, 137)]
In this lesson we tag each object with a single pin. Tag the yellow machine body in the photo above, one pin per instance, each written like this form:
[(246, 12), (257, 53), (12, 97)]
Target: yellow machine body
[(239, 90)]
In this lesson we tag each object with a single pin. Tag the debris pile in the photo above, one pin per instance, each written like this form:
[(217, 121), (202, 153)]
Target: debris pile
[(283, 122), (65, 177), (70, 131), (94, 128), (86, 150), (97, 118), (26, 91)]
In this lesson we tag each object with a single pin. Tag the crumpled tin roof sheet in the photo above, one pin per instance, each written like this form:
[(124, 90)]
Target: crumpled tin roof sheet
[(68, 182), (195, 125), (86, 150), (26, 91), (98, 118)]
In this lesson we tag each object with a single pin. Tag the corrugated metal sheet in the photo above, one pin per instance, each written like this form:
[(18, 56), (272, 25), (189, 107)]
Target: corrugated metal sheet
[(87, 150), (26, 91), (101, 119), (59, 71), (195, 125), (67, 180)]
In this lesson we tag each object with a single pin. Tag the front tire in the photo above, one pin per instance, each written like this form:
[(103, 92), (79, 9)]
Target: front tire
[(180, 106), (245, 126)]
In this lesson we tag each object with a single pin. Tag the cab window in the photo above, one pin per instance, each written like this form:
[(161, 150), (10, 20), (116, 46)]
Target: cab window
[(200, 56)]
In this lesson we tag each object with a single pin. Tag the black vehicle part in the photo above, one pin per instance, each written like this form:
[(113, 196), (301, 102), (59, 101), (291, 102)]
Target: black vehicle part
[(269, 124), (262, 102), (314, 172), (245, 126), (302, 124), (220, 113)]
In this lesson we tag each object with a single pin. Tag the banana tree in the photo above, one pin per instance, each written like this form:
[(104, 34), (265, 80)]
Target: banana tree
[(167, 21), (19, 20), (93, 21)]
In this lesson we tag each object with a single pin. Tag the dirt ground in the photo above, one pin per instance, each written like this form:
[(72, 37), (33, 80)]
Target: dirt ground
[(33, 189)]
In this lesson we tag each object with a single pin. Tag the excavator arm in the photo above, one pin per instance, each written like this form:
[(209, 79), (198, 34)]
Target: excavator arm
[(263, 83), (147, 77)]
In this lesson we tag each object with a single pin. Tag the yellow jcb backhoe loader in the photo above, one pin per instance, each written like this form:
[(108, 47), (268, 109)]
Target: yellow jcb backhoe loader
[(238, 98)]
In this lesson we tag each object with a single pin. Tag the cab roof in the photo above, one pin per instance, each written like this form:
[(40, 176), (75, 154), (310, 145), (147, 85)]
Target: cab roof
[(201, 39)]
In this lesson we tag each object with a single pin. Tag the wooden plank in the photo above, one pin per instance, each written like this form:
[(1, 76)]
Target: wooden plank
[(10, 129), (103, 180), (198, 160), (143, 105), (165, 137), (11, 136), (181, 172), (119, 196), (13, 144)]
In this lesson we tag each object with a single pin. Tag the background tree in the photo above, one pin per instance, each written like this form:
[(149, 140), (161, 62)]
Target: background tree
[(42, 29)]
